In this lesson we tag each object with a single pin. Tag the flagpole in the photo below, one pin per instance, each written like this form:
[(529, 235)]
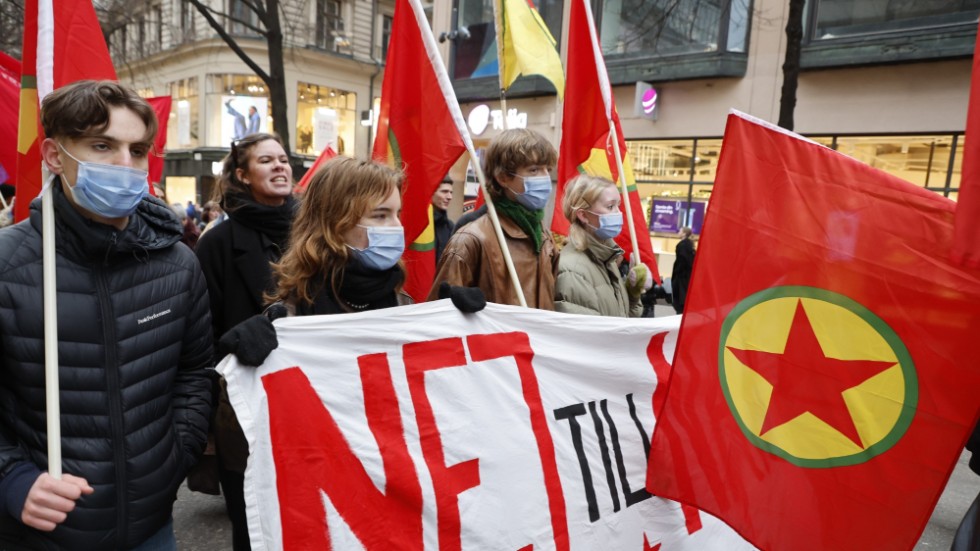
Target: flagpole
[(626, 193), (495, 221), (49, 283)]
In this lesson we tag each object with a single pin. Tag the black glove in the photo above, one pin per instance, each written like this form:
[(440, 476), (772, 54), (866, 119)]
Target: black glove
[(466, 299), (251, 341)]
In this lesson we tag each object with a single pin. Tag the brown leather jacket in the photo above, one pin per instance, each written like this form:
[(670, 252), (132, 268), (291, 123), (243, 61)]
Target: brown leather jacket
[(473, 258)]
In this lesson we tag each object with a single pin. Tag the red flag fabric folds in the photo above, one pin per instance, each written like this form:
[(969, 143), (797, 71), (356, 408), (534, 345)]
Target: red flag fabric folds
[(9, 99), (60, 47), (966, 248), (585, 142), (824, 380), (161, 107), (420, 129)]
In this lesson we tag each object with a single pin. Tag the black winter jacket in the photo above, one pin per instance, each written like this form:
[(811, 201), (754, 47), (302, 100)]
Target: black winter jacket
[(134, 336)]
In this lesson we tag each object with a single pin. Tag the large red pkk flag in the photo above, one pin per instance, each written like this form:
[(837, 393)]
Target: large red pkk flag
[(59, 48), (455, 431), (9, 98), (585, 142), (825, 375), (966, 248), (420, 129)]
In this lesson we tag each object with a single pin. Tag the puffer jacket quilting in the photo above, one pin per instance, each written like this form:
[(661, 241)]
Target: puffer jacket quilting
[(134, 336)]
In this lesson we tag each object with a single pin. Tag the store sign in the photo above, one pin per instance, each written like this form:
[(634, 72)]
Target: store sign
[(646, 104), (482, 116), (670, 215)]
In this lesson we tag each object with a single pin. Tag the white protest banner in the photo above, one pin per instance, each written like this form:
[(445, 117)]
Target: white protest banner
[(420, 427)]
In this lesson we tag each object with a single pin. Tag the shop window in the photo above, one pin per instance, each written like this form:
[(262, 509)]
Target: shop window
[(475, 40), (238, 105), (325, 117), (186, 22), (242, 18), (855, 32), (921, 160), (842, 18), (387, 22), (182, 128), (330, 33)]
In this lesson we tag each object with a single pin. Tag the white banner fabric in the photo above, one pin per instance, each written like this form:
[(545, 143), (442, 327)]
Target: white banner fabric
[(420, 427)]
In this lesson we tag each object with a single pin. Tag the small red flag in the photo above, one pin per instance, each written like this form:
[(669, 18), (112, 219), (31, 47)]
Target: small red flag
[(586, 146), (325, 156), (824, 381), (161, 107), (420, 129), (966, 247), (60, 47)]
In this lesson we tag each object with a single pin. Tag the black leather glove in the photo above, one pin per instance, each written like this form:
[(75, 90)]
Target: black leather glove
[(466, 299), (251, 341)]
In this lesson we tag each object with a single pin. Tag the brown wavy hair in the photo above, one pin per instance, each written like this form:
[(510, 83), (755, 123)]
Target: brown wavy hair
[(512, 150), (341, 192), (82, 109)]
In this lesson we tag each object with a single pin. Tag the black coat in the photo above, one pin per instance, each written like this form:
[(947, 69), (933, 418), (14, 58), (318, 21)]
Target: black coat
[(236, 263), (680, 277), (134, 339)]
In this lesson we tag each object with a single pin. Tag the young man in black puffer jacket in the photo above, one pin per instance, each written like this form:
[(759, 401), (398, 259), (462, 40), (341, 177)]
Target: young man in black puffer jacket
[(134, 336)]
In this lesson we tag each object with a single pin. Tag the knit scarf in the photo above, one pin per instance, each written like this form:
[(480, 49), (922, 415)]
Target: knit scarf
[(360, 289), (273, 222), (527, 220)]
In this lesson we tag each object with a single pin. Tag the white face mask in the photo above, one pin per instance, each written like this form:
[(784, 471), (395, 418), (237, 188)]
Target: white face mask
[(110, 191), (609, 225)]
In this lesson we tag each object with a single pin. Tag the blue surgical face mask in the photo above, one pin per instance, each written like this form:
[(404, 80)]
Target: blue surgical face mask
[(537, 189), (609, 225), (385, 246), (110, 191)]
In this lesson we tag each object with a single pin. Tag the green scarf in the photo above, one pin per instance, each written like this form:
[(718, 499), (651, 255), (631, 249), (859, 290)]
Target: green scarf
[(527, 220)]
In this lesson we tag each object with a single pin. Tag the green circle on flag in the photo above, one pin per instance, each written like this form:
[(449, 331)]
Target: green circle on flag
[(814, 377)]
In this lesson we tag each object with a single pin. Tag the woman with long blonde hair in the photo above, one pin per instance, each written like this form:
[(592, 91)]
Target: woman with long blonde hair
[(591, 276)]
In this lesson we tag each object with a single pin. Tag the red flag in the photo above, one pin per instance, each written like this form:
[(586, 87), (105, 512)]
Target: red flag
[(966, 246), (421, 130), (60, 47), (585, 144), (824, 380), (161, 108), (325, 156), (9, 98)]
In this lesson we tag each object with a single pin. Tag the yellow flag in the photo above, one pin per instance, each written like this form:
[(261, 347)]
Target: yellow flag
[(525, 45)]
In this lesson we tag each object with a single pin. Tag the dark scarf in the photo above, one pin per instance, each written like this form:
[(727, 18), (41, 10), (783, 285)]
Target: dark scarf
[(527, 220), (273, 222), (360, 289)]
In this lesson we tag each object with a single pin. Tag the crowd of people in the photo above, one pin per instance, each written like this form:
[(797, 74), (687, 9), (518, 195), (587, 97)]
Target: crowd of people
[(137, 398)]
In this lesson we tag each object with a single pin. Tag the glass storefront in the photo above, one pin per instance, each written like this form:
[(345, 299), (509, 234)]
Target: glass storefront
[(843, 18), (325, 117), (675, 177), (182, 130)]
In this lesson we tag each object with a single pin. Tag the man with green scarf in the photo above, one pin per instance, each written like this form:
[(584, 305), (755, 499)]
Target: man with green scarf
[(517, 164)]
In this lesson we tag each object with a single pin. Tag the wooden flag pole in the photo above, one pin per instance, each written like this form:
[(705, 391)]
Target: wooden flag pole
[(51, 385), (495, 220), (626, 193)]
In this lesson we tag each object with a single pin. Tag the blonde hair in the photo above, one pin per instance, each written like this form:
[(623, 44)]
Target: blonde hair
[(512, 150), (341, 192), (580, 192)]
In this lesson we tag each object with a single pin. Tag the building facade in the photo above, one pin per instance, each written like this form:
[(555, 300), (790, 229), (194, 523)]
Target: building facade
[(885, 81)]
